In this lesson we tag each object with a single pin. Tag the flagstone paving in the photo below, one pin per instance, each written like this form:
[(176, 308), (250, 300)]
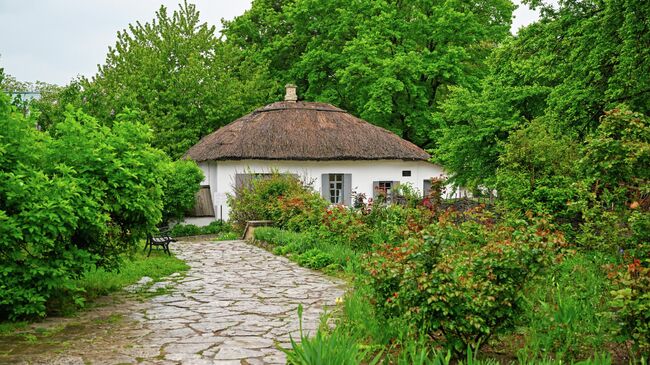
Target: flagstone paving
[(235, 303), (233, 306)]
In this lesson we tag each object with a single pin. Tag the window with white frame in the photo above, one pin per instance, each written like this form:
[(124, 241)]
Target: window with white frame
[(336, 188)]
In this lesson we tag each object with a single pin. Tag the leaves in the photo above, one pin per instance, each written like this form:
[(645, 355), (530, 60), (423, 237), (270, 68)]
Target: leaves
[(388, 62), (73, 198)]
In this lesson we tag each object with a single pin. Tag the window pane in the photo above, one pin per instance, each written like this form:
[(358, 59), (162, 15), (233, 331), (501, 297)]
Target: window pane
[(336, 188)]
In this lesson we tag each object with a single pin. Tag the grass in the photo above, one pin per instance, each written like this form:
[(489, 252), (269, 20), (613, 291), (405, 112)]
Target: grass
[(101, 282), (227, 236), (565, 310)]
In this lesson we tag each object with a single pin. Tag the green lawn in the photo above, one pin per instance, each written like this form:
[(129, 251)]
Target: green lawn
[(158, 265)]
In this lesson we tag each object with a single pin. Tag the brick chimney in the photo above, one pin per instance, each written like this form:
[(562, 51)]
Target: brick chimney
[(290, 93)]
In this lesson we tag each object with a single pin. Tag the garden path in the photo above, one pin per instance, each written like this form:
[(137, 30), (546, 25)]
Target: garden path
[(234, 304)]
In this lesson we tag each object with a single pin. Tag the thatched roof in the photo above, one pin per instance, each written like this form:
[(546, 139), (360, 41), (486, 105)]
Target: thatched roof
[(289, 130)]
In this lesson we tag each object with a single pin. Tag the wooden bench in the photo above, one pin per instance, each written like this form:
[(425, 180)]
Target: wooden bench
[(160, 239)]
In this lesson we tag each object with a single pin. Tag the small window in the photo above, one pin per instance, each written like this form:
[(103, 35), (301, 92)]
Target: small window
[(406, 172), (384, 191), (336, 188)]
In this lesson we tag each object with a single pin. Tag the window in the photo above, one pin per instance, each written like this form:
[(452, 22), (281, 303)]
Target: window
[(406, 173), (383, 190), (336, 188)]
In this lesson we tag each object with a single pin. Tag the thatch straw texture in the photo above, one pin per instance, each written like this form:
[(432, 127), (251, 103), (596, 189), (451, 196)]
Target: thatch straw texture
[(303, 131)]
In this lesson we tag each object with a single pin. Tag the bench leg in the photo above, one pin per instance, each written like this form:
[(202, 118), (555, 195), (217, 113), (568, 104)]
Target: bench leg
[(150, 247)]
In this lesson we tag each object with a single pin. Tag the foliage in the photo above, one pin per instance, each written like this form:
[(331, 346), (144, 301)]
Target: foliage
[(631, 299), (76, 197), (616, 184), (183, 230), (417, 352), (182, 180), (98, 281), (216, 227), (463, 279), (565, 309), (276, 236), (308, 250), (315, 259), (182, 81), (325, 348), (340, 225), (388, 62), (537, 173), (582, 58), (282, 198)]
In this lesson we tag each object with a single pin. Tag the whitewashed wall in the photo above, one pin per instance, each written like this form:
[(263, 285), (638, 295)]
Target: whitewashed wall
[(220, 175)]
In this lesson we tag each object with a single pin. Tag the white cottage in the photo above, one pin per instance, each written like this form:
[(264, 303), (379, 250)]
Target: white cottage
[(339, 153)]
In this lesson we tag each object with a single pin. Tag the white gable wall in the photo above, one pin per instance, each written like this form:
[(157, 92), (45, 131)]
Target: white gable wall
[(220, 175)]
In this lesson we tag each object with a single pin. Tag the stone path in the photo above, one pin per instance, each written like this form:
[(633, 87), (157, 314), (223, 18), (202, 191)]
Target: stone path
[(236, 301)]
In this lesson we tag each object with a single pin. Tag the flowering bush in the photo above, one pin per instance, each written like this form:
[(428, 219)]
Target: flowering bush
[(281, 198), (340, 225), (462, 280)]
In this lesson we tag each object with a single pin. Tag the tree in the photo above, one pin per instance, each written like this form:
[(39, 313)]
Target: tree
[(176, 74), (390, 62), (580, 60)]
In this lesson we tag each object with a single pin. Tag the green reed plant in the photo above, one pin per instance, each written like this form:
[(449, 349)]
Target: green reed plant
[(335, 348)]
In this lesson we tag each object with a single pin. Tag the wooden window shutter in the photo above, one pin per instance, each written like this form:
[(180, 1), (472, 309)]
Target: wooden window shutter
[(347, 189), (426, 189), (375, 189), (325, 186), (202, 204)]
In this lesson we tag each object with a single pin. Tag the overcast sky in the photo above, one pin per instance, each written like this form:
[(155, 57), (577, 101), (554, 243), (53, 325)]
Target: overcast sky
[(56, 40)]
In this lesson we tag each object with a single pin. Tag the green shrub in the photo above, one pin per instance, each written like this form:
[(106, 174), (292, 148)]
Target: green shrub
[(183, 230), (631, 302), (215, 227), (282, 198), (463, 279), (537, 173), (70, 199), (182, 182), (315, 259), (342, 226), (615, 183), (285, 241)]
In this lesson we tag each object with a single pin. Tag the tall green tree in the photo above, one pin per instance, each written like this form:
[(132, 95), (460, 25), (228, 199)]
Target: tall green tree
[(176, 74), (390, 62), (580, 59)]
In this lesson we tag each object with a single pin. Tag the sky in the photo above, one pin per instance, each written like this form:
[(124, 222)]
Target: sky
[(57, 40)]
